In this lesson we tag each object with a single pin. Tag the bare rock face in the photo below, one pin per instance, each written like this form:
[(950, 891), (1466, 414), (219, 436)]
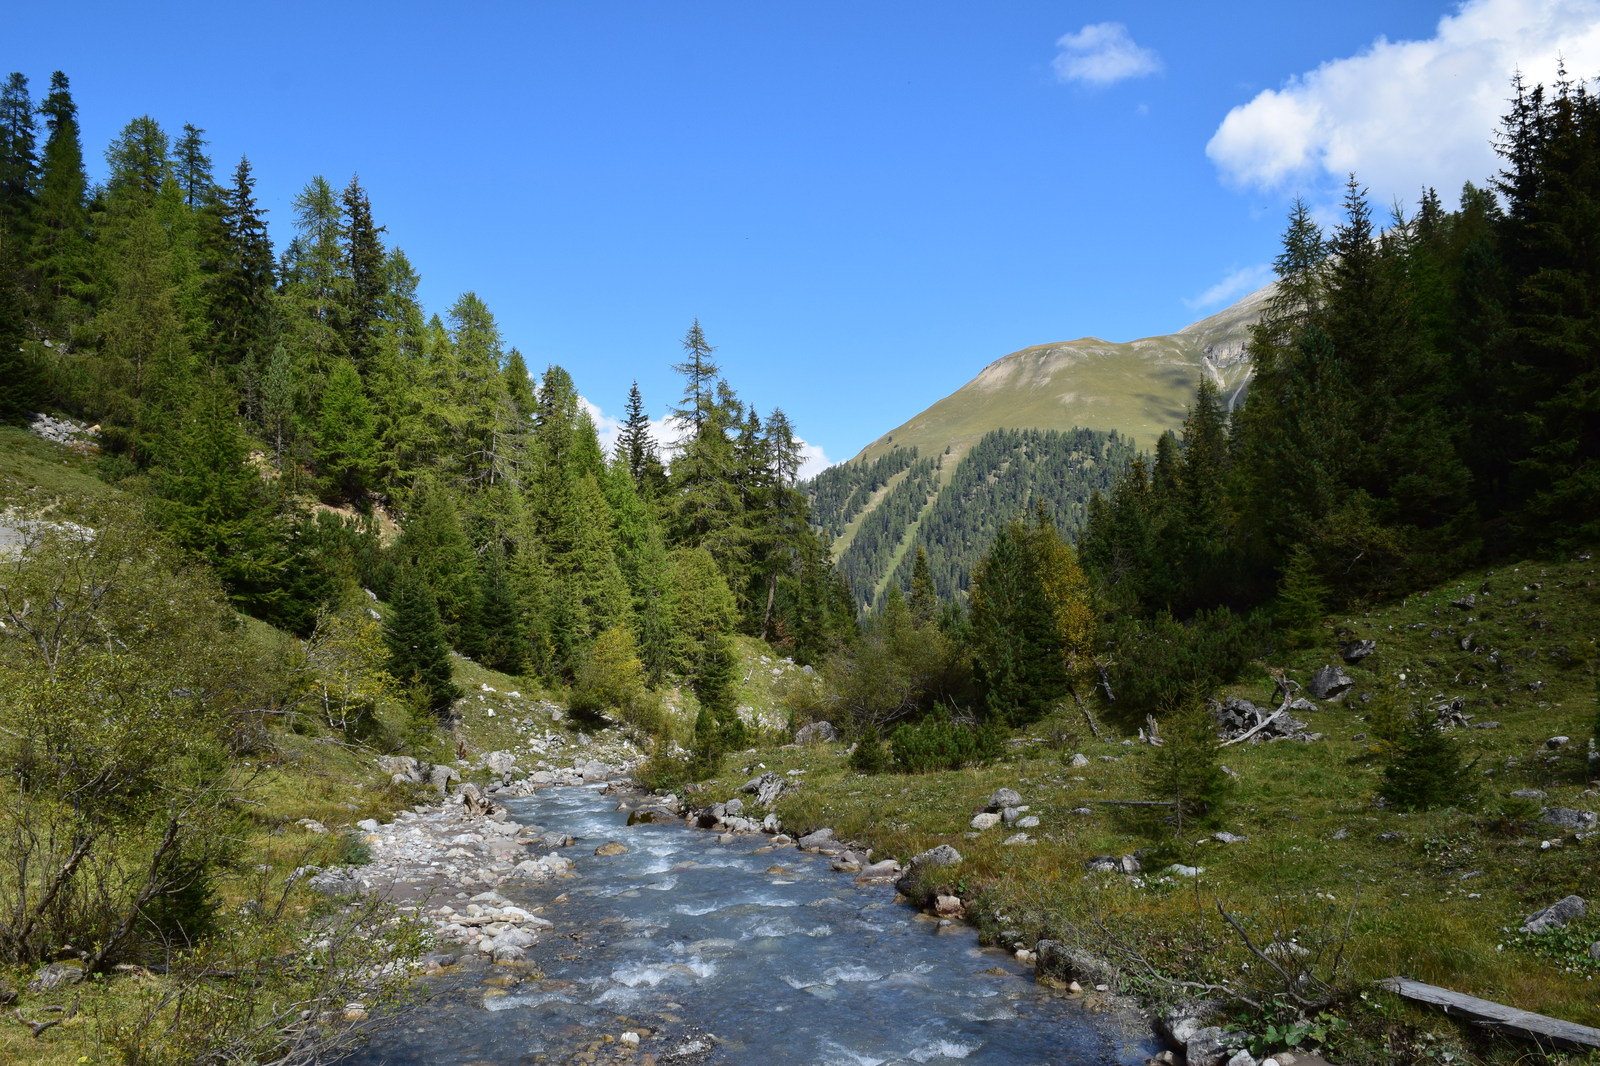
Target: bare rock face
[(816, 733), (767, 788), (1330, 683), (1556, 915)]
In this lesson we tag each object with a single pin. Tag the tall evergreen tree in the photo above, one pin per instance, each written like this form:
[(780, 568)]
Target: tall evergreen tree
[(19, 157), (240, 284), (419, 656), (192, 168), (59, 253), (364, 259), (346, 446), (1015, 638)]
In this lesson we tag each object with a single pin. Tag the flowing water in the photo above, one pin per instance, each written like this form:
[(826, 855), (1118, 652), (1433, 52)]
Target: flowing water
[(711, 953)]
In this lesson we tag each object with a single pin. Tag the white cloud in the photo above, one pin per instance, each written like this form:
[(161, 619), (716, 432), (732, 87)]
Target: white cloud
[(668, 431), (1102, 53), (1241, 282), (815, 462), (1407, 114)]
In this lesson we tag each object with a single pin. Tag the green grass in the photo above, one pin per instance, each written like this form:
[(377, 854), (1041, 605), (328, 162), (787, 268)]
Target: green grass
[(37, 473), (1435, 895)]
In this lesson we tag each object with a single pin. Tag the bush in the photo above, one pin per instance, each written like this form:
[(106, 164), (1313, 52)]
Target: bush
[(1424, 769), (939, 743), (611, 678), (869, 756), (1184, 769), (1161, 662)]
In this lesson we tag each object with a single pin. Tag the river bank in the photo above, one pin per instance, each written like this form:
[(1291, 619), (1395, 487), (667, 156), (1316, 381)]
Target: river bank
[(668, 945)]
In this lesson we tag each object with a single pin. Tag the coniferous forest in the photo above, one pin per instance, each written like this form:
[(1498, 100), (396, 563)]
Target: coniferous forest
[(239, 387)]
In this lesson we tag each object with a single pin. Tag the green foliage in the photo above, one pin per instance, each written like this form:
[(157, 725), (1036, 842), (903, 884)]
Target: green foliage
[(418, 655), (869, 756), (1032, 626), (716, 687), (1159, 660), (1186, 769), (116, 682), (939, 742), (1302, 601), (1424, 768), (611, 680)]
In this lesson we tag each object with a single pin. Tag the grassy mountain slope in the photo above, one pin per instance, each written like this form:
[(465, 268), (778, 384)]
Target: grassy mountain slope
[(1138, 389)]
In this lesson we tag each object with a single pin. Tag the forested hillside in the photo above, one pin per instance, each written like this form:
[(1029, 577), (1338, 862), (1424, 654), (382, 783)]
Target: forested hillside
[(952, 510), (238, 379)]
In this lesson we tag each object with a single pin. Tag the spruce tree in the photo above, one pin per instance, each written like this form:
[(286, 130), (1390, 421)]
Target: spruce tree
[(1015, 637), (19, 157), (924, 603), (500, 644), (59, 251), (346, 447), (418, 655)]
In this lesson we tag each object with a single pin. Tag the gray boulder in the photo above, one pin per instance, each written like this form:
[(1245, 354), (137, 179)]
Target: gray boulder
[(985, 820), (816, 733), (814, 840), (1357, 650), (341, 881), (932, 859), (1330, 683), (440, 776), (1556, 915), (1066, 963), (1207, 1047), (1003, 798), (766, 788), (1567, 818), (501, 763), (403, 767)]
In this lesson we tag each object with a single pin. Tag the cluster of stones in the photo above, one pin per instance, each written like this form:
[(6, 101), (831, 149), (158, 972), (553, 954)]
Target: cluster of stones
[(75, 435), (447, 861), (1005, 807)]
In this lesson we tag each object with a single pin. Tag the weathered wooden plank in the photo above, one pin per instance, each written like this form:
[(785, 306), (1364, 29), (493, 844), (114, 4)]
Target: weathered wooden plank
[(1538, 1028)]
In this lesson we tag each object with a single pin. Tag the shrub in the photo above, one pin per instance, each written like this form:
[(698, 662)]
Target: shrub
[(939, 743), (1424, 768), (869, 756), (1161, 662), (1185, 769), (611, 678)]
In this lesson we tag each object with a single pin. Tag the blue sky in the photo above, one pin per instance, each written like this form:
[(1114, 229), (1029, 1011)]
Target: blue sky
[(863, 204)]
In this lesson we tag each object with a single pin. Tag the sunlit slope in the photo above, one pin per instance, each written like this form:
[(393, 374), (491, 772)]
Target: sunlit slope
[(1139, 388)]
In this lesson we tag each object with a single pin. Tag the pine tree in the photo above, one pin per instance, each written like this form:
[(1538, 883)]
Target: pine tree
[(19, 158), (346, 447), (364, 261), (419, 658), (192, 168), (500, 644), (240, 284), (636, 448), (700, 380), (316, 282), (716, 687), (59, 251), (924, 603), (1015, 636), (139, 161), (212, 500)]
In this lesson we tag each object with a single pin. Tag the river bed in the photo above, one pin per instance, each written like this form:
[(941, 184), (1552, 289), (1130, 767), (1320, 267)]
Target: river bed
[(683, 949)]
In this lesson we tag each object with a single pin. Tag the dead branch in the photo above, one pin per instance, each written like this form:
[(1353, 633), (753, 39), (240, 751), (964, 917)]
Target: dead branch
[(1287, 688)]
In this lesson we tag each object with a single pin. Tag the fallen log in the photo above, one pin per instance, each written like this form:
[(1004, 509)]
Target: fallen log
[(1538, 1028)]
